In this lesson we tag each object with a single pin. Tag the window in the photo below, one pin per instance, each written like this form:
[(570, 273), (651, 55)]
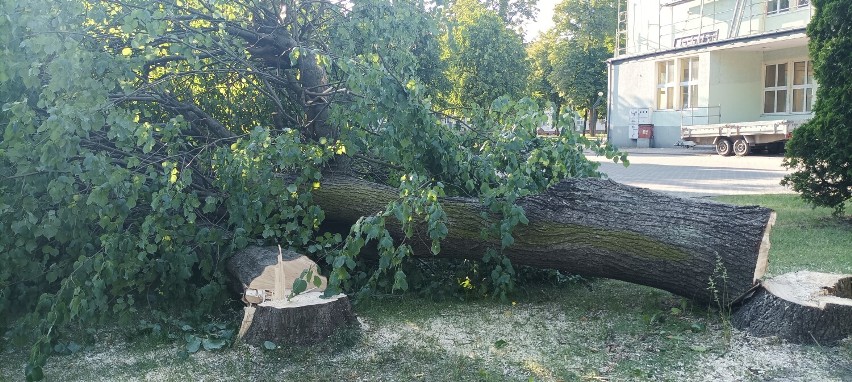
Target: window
[(688, 83), (666, 85), (779, 81), (803, 3), (803, 86), (778, 6), (775, 89), (677, 84)]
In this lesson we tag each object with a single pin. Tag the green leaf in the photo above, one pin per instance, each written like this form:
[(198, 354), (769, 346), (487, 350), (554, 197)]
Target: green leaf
[(399, 281), (339, 261), (317, 281), (299, 286), (213, 344), (73, 347), (384, 262), (34, 373), (193, 344), (350, 263), (499, 344), (507, 240), (269, 345)]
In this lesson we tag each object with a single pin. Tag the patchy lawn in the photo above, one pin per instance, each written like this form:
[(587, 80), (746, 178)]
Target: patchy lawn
[(804, 238)]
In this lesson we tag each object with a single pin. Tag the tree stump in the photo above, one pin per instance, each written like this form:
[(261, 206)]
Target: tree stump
[(263, 277), (800, 307), (304, 320)]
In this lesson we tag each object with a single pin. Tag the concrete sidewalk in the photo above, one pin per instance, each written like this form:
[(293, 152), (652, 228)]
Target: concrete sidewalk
[(697, 150), (698, 172)]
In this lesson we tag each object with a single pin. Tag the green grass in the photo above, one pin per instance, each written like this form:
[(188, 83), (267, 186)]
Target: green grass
[(803, 238), (582, 330)]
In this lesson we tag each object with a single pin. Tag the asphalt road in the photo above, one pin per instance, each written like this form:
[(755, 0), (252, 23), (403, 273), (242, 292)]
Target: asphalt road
[(698, 172)]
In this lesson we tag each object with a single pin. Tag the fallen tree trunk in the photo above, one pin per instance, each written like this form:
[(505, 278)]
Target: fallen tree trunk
[(596, 227), (800, 307)]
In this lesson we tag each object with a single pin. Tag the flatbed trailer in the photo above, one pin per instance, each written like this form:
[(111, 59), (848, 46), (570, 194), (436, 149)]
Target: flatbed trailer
[(741, 138)]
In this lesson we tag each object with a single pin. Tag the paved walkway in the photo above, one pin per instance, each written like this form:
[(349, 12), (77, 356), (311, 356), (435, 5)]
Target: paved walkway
[(698, 172)]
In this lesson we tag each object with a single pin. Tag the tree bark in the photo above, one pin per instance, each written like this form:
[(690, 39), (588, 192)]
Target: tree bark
[(596, 227), (593, 119), (800, 307), (306, 319)]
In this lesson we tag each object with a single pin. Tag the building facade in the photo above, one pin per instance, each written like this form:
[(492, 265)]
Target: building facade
[(699, 62)]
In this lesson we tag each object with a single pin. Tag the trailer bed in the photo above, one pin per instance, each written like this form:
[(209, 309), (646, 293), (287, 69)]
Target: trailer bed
[(781, 127), (741, 138)]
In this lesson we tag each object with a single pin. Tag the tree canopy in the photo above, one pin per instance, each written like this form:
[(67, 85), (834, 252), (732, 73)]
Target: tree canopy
[(585, 40), (820, 151), (571, 58), (485, 58), (144, 141)]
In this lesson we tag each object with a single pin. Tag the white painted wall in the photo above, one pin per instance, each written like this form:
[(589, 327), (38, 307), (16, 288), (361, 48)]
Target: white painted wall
[(635, 86), (736, 84), (794, 18)]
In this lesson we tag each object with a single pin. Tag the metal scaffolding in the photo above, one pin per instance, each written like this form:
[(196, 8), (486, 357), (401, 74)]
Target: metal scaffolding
[(704, 21)]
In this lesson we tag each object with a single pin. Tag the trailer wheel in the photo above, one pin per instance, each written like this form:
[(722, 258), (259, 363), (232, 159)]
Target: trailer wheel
[(723, 146), (741, 147)]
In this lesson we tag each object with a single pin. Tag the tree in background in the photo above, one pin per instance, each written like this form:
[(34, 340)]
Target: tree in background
[(541, 54), (485, 58), (820, 151), (515, 12), (583, 39)]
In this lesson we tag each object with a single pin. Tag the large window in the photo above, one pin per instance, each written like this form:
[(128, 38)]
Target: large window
[(775, 89), (786, 90), (666, 85), (803, 86), (677, 84), (688, 83)]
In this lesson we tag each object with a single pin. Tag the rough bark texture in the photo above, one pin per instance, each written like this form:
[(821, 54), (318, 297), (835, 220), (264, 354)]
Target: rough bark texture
[(597, 227), (800, 307), (305, 320)]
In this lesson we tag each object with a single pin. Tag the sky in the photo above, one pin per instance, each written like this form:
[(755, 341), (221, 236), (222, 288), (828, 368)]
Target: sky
[(543, 21)]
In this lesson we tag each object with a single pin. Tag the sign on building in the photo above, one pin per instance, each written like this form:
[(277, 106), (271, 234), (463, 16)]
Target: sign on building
[(638, 116), (705, 37)]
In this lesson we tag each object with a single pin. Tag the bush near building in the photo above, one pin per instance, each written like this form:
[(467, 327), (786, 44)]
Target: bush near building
[(820, 152)]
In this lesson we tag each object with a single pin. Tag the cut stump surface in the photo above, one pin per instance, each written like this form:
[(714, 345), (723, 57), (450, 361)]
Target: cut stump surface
[(264, 276), (800, 307)]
